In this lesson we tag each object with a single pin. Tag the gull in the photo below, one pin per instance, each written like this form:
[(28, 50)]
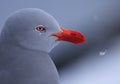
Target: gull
[(27, 37)]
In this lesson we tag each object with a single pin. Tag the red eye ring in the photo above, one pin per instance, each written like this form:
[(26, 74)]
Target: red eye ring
[(41, 28)]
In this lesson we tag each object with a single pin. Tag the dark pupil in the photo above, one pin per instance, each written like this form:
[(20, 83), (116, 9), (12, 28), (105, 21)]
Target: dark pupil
[(41, 28)]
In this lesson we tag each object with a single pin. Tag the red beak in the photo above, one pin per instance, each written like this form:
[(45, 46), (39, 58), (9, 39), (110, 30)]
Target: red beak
[(70, 36)]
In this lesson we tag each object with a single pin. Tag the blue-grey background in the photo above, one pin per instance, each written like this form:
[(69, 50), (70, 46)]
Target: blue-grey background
[(97, 61)]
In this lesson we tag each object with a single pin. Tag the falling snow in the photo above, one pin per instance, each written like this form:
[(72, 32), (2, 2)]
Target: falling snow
[(103, 52)]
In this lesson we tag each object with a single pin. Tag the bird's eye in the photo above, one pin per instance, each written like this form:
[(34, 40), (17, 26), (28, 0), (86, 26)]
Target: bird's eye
[(41, 28)]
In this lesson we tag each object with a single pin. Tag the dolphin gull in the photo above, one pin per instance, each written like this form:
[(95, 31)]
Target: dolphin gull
[(28, 35)]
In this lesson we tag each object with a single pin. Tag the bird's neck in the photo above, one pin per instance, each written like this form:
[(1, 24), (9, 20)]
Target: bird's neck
[(28, 65)]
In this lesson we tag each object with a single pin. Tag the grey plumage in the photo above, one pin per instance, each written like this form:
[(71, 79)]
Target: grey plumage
[(24, 52)]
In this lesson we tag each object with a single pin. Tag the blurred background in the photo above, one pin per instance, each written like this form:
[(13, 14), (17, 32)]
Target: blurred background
[(98, 60)]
